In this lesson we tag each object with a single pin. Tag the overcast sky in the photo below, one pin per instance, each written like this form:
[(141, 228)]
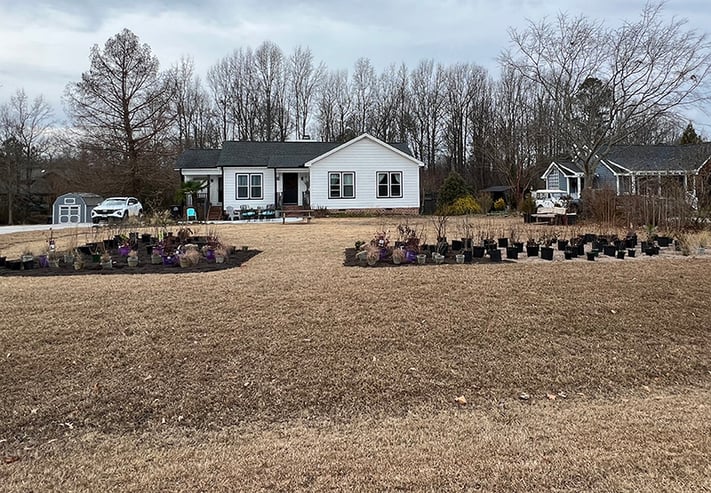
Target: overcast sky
[(45, 43)]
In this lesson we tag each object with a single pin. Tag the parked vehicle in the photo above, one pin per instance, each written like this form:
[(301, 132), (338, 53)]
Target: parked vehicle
[(550, 198), (117, 208)]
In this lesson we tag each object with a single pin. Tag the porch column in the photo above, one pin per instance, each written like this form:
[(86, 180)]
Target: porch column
[(580, 186), (633, 179), (686, 182), (617, 183)]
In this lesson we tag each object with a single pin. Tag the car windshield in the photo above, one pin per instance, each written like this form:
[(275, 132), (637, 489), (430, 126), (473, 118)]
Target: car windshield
[(113, 202)]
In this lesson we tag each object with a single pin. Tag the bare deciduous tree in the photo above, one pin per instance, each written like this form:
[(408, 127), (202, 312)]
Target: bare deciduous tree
[(24, 131), (305, 81), (427, 89), (647, 69)]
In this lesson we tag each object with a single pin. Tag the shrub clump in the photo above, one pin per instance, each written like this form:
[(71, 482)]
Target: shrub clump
[(500, 204), (464, 205)]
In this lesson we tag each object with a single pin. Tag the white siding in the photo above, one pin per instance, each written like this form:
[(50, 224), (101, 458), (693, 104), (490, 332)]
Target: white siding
[(230, 187), (365, 158)]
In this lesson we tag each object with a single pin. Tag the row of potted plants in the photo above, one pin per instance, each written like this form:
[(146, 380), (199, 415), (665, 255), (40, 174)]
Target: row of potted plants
[(166, 248), (408, 250)]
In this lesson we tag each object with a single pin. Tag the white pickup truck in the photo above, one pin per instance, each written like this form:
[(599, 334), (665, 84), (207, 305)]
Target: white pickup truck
[(550, 198)]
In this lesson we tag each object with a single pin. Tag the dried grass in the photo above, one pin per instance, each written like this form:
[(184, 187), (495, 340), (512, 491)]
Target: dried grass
[(294, 372)]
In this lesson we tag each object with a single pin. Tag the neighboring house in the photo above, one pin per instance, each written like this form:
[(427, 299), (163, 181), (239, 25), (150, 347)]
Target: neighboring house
[(637, 169), (363, 174)]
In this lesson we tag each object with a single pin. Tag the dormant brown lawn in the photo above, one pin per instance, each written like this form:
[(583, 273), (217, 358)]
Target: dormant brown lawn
[(294, 372)]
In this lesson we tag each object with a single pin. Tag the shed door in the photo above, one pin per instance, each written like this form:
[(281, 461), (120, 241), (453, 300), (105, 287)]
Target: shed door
[(69, 214)]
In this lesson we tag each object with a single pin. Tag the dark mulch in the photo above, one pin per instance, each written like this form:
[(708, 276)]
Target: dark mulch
[(235, 259), (350, 260)]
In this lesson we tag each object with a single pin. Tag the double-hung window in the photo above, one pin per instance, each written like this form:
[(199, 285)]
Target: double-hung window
[(389, 184), (341, 185), (249, 186), (554, 181)]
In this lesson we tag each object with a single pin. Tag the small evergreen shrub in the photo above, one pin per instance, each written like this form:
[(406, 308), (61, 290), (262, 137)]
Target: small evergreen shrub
[(464, 205)]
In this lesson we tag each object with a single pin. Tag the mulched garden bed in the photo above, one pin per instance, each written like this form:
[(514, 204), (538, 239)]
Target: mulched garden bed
[(120, 266)]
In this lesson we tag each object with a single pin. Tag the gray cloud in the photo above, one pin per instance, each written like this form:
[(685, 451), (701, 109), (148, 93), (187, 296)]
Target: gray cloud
[(46, 42)]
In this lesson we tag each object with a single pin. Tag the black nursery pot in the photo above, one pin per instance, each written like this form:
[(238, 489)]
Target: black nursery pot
[(13, 264), (532, 250), (2, 261), (664, 241), (631, 252), (621, 254), (495, 255), (512, 252), (519, 246), (610, 250), (562, 244), (457, 245), (503, 242), (591, 256), (547, 253), (478, 251), (467, 255)]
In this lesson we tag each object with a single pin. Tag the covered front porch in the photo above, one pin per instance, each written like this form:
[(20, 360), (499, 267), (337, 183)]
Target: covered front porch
[(292, 189)]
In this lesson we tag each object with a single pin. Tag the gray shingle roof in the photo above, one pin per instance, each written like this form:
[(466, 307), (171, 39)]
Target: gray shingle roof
[(198, 158), (569, 165), (272, 154), (269, 154), (654, 158)]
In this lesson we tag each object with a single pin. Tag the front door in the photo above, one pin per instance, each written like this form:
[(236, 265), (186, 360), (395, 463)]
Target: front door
[(290, 188)]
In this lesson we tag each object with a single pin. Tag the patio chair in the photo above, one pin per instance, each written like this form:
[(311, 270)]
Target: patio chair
[(246, 213), (191, 213), (230, 213), (269, 212)]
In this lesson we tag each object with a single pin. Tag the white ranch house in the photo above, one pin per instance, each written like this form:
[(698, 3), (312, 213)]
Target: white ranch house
[(363, 174)]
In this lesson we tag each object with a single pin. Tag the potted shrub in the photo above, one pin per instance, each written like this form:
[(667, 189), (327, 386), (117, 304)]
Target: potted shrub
[(495, 255), (532, 247), (372, 254), (220, 254), (105, 261), (28, 259), (398, 256), (547, 249), (132, 258)]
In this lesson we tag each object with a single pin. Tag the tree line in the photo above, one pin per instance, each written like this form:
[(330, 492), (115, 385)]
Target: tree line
[(569, 86)]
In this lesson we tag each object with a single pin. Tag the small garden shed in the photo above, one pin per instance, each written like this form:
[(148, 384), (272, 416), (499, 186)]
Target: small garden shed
[(74, 207)]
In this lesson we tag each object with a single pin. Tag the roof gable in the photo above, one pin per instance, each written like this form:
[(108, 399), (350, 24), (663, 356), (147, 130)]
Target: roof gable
[(401, 149), (568, 168)]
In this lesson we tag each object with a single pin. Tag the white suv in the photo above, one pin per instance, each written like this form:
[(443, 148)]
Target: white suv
[(116, 208)]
